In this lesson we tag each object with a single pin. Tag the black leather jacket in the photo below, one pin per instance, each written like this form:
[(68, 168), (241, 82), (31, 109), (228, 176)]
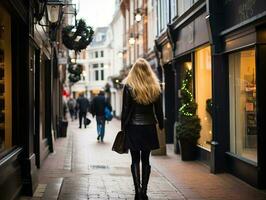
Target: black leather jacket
[(139, 114)]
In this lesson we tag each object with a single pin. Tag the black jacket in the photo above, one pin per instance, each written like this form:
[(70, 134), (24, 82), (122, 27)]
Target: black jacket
[(83, 104), (98, 104), (138, 114)]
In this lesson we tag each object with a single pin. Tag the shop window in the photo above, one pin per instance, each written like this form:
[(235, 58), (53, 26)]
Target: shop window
[(203, 89), (242, 88), (5, 81)]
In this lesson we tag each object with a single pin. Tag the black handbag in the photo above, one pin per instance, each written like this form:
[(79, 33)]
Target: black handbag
[(87, 121), (120, 142)]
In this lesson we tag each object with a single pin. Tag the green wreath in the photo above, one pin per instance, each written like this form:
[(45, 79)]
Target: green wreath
[(77, 70), (78, 39), (73, 78), (74, 72)]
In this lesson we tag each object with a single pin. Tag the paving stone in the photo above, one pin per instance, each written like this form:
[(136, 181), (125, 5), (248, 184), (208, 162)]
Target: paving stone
[(81, 168)]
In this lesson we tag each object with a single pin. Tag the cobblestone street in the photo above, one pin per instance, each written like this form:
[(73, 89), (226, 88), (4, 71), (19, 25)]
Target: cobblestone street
[(81, 168)]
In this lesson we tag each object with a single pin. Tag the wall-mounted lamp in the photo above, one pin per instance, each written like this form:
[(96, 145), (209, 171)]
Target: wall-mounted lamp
[(54, 10), (139, 14), (120, 54), (131, 39), (138, 17)]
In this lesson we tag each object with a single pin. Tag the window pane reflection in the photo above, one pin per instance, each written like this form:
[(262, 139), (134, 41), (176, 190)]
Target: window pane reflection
[(243, 122)]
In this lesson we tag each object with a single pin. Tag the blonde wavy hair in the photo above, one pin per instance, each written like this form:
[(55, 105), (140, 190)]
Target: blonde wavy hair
[(144, 82)]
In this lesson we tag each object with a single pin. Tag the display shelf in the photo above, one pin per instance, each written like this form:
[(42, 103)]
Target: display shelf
[(250, 116)]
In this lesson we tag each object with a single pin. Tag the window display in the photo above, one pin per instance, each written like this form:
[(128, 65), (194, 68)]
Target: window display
[(5, 81), (203, 89), (242, 87)]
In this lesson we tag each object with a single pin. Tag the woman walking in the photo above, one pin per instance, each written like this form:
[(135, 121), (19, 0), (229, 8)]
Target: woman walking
[(141, 111)]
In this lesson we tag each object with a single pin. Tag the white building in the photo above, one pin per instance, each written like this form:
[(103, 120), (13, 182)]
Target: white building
[(152, 32), (82, 85), (103, 61), (99, 60), (117, 30)]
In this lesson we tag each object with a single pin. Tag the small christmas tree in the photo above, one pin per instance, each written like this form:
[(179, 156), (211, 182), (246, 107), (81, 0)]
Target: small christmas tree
[(189, 126)]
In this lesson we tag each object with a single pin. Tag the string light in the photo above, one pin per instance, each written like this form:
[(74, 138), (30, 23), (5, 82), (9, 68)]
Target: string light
[(184, 89)]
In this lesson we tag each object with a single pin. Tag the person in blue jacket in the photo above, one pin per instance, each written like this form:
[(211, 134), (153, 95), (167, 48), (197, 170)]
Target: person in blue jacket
[(98, 105)]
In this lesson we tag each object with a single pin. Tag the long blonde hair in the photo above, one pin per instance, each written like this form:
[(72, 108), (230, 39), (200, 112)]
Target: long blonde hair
[(144, 82)]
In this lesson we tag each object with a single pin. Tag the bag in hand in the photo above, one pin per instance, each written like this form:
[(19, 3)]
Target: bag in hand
[(87, 121), (108, 114), (119, 143)]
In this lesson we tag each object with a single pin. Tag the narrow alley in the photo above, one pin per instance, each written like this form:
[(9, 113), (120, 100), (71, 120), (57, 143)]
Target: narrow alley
[(194, 68), (81, 168)]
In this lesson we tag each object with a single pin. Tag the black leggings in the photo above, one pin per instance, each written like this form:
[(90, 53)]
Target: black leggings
[(144, 155)]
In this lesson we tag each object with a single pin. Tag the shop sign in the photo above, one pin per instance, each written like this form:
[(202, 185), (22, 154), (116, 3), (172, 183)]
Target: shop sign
[(238, 11)]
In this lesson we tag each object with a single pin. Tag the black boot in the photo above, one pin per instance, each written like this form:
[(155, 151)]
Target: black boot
[(146, 170), (136, 179)]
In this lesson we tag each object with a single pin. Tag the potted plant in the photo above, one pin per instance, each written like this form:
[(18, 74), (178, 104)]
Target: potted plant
[(188, 128)]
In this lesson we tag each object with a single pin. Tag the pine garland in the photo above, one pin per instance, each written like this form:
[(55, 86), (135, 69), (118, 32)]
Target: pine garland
[(74, 78), (74, 72), (77, 70), (79, 39), (188, 127)]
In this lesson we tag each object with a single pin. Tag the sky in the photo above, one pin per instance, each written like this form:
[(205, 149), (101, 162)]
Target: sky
[(96, 12)]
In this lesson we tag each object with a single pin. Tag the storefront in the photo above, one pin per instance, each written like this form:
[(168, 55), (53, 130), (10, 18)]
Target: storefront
[(5, 81), (199, 61), (27, 120), (239, 93), (187, 46), (203, 97), (245, 63), (193, 51), (242, 102), (224, 43), (15, 144)]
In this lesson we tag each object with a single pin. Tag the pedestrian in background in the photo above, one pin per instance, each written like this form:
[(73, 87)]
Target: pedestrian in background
[(97, 109), (83, 105), (141, 110), (71, 103)]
